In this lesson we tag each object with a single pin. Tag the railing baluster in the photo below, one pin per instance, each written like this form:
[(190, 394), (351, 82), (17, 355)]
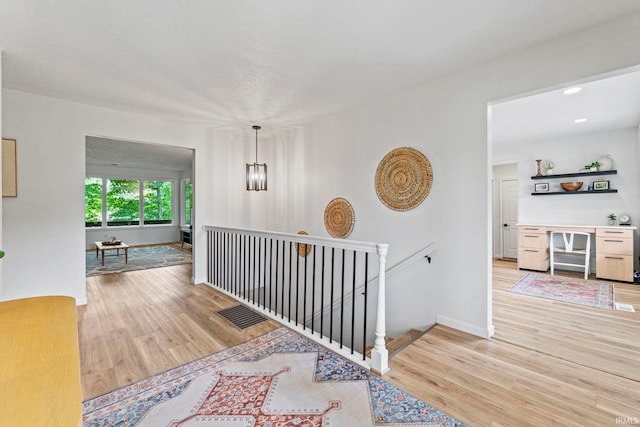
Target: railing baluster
[(342, 300), (364, 323), (284, 245), (333, 254), (264, 276), (270, 272), (322, 294), (313, 289), (290, 282), (304, 299), (353, 304), (297, 285), (275, 281), (232, 257)]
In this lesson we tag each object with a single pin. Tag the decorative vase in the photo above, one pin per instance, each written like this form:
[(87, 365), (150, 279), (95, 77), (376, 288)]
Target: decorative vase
[(539, 170), (606, 163), (550, 171)]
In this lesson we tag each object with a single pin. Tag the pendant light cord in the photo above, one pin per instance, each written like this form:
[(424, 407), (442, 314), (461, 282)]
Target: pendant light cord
[(256, 128)]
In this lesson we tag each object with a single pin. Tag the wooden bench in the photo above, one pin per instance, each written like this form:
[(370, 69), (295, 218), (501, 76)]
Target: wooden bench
[(39, 363)]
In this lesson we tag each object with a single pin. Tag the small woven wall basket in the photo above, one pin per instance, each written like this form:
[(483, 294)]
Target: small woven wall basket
[(403, 179), (303, 249), (339, 218)]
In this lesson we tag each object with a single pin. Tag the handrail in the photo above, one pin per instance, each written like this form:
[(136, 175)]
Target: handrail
[(425, 252), (266, 270), (303, 238)]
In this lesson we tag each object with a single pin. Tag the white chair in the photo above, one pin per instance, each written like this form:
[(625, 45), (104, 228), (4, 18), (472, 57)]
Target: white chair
[(570, 243)]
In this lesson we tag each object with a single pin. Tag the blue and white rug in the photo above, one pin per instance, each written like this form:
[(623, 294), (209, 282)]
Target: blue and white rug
[(140, 258), (278, 379)]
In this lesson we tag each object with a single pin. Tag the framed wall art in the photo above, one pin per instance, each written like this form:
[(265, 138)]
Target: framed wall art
[(600, 185), (9, 168), (542, 187)]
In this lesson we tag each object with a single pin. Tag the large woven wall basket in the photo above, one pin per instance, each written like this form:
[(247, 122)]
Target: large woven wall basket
[(403, 179)]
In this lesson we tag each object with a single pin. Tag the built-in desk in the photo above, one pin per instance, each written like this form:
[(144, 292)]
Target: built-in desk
[(613, 248)]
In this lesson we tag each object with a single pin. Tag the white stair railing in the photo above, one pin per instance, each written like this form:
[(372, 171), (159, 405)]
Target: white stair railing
[(292, 277)]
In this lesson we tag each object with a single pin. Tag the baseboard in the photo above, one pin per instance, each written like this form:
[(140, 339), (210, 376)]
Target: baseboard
[(465, 327), (198, 280)]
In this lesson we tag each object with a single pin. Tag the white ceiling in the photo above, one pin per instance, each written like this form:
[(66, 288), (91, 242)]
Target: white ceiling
[(109, 152), (273, 62), (607, 104)]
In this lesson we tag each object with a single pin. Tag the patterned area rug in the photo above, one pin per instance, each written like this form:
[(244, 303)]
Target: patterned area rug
[(140, 258), (576, 291), (278, 379)]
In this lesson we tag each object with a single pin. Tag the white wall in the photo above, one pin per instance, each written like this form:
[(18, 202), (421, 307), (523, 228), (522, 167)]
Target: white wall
[(43, 227), (570, 155)]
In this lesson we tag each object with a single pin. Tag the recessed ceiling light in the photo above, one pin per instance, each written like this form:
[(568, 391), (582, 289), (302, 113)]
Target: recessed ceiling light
[(572, 90), (579, 120)]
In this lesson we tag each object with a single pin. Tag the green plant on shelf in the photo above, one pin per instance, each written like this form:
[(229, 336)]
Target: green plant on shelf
[(593, 165), (612, 217)]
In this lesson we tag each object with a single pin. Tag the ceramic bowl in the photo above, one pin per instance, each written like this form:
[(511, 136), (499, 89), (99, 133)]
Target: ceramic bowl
[(571, 186)]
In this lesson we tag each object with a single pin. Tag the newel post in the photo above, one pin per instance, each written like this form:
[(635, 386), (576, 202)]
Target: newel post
[(379, 353)]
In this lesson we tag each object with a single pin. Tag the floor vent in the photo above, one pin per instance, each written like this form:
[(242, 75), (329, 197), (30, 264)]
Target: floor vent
[(242, 316), (625, 307)]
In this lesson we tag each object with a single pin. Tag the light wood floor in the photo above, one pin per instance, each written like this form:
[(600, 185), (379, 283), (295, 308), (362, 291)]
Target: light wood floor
[(141, 323), (549, 363)]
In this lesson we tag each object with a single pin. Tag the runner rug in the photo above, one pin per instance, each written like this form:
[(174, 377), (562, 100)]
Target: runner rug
[(278, 379), (566, 289), (140, 258)]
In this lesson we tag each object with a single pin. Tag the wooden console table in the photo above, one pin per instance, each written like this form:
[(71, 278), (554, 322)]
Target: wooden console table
[(614, 248)]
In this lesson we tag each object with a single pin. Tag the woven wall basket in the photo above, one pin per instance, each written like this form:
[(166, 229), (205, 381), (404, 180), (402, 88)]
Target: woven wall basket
[(303, 249), (403, 179), (339, 218)]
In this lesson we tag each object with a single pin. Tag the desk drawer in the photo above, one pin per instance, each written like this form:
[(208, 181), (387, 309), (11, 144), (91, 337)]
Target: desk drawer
[(533, 259), (617, 233), (532, 240), (615, 267), (614, 245)]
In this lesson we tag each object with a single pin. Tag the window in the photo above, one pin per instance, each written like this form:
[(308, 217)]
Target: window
[(123, 202), (158, 198), (93, 202), (188, 201)]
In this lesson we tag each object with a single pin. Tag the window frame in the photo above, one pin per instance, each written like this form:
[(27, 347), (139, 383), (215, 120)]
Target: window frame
[(141, 181)]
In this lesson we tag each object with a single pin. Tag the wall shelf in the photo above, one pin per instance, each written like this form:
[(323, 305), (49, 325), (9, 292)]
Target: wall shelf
[(555, 193), (570, 175)]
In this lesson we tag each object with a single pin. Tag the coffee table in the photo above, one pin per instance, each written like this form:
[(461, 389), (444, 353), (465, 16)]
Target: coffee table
[(101, 247)]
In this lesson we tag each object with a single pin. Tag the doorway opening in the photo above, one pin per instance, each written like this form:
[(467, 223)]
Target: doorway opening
[(138, 197)]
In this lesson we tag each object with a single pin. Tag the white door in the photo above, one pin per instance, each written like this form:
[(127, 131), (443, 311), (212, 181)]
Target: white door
[(509, 217)]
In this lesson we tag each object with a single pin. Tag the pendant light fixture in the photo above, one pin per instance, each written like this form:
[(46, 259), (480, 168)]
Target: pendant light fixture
[(256, 172)]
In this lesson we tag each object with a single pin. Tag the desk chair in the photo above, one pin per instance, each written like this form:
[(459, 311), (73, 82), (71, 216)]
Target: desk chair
[(573, 243)]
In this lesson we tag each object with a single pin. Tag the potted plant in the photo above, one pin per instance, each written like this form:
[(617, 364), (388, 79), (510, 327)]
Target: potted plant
[(612, 219), (594, 166)]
